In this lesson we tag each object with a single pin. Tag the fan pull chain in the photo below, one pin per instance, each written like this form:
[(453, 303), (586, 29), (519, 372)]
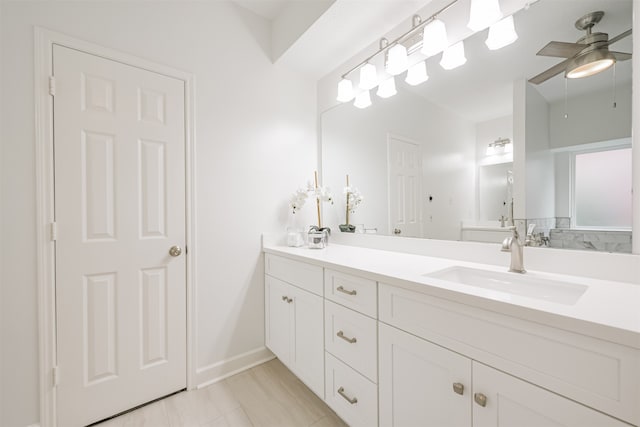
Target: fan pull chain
[(615, 104), (566, 81)]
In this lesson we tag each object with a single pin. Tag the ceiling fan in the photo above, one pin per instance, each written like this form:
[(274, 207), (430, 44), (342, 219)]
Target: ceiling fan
[(586, 57)]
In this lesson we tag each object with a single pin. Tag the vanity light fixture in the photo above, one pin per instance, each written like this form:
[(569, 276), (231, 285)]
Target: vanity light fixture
[(417, 74), (483, 13), (387, 88), (345, 91), (397, 60), (453, 56), (363, 99), (434, 38), (501, 34), (499, 146), (368, 77)]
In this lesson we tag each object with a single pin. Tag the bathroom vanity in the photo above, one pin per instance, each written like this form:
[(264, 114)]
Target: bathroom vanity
[(395, 339)]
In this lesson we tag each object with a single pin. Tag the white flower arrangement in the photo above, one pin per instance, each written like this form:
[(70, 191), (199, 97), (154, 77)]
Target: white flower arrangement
[(354, 198), (321, 194), (298, 199)]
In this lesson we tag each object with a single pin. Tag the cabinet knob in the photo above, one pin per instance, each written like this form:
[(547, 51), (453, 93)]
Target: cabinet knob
[(397, 231), (480, 399), (352, 400), (458, 388)]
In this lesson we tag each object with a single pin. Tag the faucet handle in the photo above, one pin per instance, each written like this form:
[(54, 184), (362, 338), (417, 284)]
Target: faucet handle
[(506, 244)]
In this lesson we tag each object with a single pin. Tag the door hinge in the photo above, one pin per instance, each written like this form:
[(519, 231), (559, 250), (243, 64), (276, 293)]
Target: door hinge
[(52, 85), (186, 249), (53, 231), (55, 376)]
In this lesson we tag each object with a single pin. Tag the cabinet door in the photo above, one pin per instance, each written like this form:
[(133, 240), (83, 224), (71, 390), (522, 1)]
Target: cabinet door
[(416, 382), (277, 315), (511, 402), (307, 345)]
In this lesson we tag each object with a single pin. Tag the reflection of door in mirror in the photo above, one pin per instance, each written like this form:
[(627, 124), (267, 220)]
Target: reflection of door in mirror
[(493, 187), (405, 172)]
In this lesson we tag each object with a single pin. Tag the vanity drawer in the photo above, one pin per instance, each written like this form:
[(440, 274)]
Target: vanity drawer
[(352, 396), (352, 338), (597, 373), (300, 274), (351, 291)]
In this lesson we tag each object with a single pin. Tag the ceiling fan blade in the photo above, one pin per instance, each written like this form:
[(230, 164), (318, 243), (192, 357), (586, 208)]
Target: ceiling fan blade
[(620, 36), (621, 56), (561, 49), (546, 75)]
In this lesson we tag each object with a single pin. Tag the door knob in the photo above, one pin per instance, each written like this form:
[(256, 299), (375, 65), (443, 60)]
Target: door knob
[(175, 251), (397, 231)]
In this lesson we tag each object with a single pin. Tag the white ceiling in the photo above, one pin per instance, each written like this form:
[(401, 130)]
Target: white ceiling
[(268, 9)]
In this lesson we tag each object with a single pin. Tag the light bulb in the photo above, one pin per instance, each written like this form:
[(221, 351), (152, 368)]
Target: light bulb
[(501, 34), (397, 61), (387, 88), (417, 74), (368, 77), (363, 99), (434, 38), (453, 56), (483, 13), (345, 91)]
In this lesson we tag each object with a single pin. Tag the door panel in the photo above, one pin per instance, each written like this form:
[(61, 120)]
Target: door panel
[(405, 172), (416, 382), (119, 141)]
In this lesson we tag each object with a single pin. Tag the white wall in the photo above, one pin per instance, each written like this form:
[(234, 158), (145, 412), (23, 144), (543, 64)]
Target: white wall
[(354, 142), (539, 169), (591, 118), (255, 136)]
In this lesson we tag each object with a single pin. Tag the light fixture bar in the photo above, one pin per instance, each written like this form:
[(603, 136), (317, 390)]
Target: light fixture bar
[(418, 24)]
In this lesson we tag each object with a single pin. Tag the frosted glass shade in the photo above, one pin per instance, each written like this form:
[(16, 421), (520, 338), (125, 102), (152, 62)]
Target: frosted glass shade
[(483, 13), (387, 88), (434, 38), (417, 74), (453, 56), (345, 91), (368, 77), (397, 61), (501, 34), (363, 99)]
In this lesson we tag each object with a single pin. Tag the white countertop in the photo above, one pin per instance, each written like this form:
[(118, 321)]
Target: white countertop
[(607, 310)]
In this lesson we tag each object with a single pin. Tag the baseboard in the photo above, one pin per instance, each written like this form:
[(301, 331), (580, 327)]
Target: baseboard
[(220, 370), (34, 425)]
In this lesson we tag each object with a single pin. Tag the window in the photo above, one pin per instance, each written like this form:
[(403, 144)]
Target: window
[(602, 189)]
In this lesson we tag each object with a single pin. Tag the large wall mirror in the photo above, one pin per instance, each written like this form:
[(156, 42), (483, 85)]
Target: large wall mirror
[(446, 158)]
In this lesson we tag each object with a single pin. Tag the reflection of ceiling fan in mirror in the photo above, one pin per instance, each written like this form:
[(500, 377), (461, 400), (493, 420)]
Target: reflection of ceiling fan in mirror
[(586, 57)]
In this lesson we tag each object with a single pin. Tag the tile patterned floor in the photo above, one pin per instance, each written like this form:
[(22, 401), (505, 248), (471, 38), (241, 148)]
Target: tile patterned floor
[(268, 395)]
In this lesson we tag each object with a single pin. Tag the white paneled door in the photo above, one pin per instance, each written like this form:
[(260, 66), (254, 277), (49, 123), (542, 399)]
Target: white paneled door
[(405, 174), (119, 141)]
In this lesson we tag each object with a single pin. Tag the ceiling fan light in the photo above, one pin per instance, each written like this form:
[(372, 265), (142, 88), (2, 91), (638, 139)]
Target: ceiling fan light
[(387, 88), (483, 13), (590, 63), (397, 60), (363, 99), (453, 56), (434, 38), (417, 74), (345, 91), (368, 77), (502, 34)]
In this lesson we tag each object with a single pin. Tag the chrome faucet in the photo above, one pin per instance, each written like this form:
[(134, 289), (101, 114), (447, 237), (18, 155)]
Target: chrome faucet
[(512, 244)]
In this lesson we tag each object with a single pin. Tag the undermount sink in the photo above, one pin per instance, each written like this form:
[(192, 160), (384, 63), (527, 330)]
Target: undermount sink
[(513, 283)]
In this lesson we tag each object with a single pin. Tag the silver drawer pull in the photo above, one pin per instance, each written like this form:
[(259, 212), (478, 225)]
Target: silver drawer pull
[(284, 297), (344, 291), (353, 401), (480, 399), (458, 388), (349, 340), (287, 299)]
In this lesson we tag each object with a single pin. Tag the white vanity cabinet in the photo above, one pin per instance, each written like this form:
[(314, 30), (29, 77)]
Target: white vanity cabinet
[(294, 318), (427, 385)]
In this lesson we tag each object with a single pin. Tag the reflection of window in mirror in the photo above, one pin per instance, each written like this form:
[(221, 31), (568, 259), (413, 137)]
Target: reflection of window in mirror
[(602, 189)]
